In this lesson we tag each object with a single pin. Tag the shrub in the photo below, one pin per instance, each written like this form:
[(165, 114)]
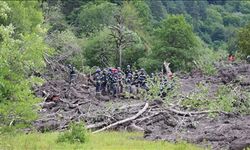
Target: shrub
[(170, 88), (205, 62), (22, 51), (225, 99), (76, 133)]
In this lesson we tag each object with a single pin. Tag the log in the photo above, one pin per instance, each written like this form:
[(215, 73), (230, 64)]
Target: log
[(97, 125), (125, 120), (132, 105)]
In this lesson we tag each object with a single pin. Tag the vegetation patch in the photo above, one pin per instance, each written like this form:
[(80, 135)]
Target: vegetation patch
[(76, 133), (100, 141)]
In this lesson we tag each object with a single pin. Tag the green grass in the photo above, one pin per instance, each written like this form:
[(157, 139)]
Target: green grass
[(100, 141)]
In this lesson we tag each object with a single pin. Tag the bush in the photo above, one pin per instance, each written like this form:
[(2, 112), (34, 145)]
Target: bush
[(205, 61), (225, 99), (76, 133), (243, 40), (22, 49)]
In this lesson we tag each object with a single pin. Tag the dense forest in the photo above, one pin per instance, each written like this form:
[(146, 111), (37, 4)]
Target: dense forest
[(152, 31), (87, 34)]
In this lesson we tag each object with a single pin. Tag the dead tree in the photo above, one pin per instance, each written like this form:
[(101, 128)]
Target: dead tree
[(121, 36), (166, 68)]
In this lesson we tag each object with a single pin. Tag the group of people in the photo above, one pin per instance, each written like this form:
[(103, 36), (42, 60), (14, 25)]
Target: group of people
[(114, 81)]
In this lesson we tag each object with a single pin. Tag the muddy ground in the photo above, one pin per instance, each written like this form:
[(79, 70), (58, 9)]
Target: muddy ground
[(64, 103)]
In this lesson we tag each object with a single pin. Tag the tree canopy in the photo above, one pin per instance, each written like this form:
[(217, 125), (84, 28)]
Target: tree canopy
[(22, 49)]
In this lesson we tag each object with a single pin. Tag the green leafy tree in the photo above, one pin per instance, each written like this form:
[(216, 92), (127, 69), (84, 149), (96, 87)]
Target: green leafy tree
[(20, 16), (157, 9), (144, 13), (21, 56), (177, 42), (53, 17), (243, 40), (93, 17), (137, 18), (175, 7), (244, 7), (150, 64), (175, 32), (232, 19), (99, 50)]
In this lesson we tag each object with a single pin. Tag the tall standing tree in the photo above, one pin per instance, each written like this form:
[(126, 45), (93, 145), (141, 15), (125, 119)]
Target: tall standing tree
[(93, 17), (177, 42), (121, 36)]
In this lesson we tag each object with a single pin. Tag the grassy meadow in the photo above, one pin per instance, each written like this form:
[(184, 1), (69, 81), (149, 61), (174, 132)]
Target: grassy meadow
[(100, 141)]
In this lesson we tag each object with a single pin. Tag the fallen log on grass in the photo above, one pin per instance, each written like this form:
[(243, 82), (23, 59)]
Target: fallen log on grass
[(125, 120)]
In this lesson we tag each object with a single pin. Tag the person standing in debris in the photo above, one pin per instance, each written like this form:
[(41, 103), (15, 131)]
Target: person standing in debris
[(109, 80), (128, 71), (114, 82), (128, 82), (97, 79), (135, 79), (120, 79), (72, 74), (248, 58), (104, 80), (142, 79)]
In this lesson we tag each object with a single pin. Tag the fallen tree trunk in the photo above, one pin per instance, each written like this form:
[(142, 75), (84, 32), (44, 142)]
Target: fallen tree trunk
[(125, 120), (93, 126)]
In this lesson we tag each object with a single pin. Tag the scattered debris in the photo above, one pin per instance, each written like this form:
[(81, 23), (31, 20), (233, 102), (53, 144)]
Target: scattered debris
[(65, 103)]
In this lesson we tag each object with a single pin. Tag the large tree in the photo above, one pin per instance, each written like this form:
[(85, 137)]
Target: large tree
[(93, 17), (176, 42), (176, 32)]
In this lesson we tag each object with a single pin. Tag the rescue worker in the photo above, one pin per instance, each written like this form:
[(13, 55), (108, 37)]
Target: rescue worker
[(135, 79), (114, 82), (128, 81), (153, 77), (120, 76), (142, 79), (104, 81), (72, 74), (128, 70), (97, 78), (109, 80), (129, 78), (248, 58)]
